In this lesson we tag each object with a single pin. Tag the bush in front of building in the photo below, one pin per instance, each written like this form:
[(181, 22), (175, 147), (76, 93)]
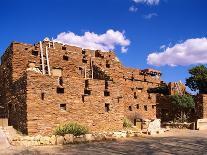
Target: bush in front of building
[(71, 128), (127, 123)]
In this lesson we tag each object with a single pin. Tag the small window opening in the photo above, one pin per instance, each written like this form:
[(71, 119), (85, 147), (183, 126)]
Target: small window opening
[(64, 48), (145, 107), (60, 81), (137, 106), (107, 65), (83, 99), (149, 96), (106, 93), (107, 108), (135, 95), (26, 48), (65, 58), (106, 84), (43, 96), (83, 52), (60, 90), (84, 60), (130, 108), (63, 107), (153, 106), (86, 84), (35, 53), (109, 55), (87, 92)]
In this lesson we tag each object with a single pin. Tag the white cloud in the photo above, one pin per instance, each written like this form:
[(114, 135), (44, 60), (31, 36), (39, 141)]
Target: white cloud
[(150, 15), (148, 2), (192, 51), (133, 9), (107, 41)]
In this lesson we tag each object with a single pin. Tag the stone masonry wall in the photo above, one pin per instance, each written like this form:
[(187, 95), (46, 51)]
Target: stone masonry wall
[(91, 87)]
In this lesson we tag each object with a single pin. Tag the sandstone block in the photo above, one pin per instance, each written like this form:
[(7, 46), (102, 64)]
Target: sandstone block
[(60, 140), (68, 138)]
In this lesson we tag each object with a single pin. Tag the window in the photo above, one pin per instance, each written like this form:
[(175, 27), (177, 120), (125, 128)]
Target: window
[(60, 81), (63, 107), (107, 109), (83, 52), (106, 93), (43, 96), (107, 65), (60, 90), (145, 107), (35, 53), (135, 95), (87, 92), (65, 58), (86, 83), (130, 108), (84, 60), (63, 48), (137, 106), (106, 84)]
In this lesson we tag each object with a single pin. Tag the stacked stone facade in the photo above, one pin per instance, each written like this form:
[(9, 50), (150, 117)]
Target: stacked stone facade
[(82, 85)]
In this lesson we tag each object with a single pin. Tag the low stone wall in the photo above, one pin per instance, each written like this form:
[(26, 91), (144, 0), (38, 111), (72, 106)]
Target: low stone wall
[(201, 124), (69, 138), (178, 125)]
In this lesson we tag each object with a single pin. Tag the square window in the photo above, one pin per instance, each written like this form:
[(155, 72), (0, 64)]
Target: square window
[(87, 92), (137, 106), (65, 58), (63, 107), (107, 65), (60, 90), (64, 48), (35, 53), (106, 93), (84, 60), (107, 107)]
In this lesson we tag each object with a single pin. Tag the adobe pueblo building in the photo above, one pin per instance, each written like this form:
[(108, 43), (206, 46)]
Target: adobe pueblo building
[(48, 83)]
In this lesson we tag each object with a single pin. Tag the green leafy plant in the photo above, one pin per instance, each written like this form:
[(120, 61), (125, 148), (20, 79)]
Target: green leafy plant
[(127, 123), (182, 106), (71, 128)]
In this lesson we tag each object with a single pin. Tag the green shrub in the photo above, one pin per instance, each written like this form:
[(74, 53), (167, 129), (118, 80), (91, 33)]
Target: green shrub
[(127, 123), (71, 128)]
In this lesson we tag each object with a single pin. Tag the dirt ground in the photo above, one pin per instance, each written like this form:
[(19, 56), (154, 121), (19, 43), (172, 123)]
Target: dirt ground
[(191, 142)]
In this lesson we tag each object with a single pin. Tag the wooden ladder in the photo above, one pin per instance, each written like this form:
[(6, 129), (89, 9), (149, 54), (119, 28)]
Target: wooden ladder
[(44, 60)]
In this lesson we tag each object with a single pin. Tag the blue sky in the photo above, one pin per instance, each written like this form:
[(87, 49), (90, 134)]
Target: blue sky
[(147, 27)]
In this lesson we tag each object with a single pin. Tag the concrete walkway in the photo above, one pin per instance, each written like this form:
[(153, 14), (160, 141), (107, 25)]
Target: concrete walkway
[(4, 144)]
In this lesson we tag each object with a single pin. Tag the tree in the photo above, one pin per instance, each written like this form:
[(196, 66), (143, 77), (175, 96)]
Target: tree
[(182, 105), (198, 79)]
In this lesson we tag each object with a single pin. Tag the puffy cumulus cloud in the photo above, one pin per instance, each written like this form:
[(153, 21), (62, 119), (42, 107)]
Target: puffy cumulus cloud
[(107, 41), (191, 51), (150, 15), (148, 2), (133, 9)]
